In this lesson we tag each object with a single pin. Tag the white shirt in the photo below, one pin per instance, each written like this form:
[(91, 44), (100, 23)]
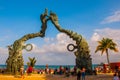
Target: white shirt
[(115, 78)]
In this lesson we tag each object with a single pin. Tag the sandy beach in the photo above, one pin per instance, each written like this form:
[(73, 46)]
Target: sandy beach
[(55, 77)]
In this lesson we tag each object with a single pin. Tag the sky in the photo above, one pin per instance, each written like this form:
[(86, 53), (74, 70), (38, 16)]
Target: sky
[(93, 19)]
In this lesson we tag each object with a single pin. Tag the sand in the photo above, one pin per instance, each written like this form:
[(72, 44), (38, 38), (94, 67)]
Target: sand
[(55, 77), (88, 77)]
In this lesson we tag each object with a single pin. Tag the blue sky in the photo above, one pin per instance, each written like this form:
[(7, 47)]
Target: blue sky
[(94, 19)]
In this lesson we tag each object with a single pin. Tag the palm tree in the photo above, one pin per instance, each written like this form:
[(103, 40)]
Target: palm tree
[(32, 62), (104, 45)]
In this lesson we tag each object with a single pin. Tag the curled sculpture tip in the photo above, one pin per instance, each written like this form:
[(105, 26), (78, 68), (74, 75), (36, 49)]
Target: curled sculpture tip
[(53, 16), (51, 13), (46, 11)]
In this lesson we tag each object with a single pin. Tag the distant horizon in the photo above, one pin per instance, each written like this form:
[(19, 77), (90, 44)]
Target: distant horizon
[(65, 64)]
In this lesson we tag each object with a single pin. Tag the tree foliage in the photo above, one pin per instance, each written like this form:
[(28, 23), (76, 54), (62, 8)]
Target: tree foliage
[(104, 45), (31, 62)]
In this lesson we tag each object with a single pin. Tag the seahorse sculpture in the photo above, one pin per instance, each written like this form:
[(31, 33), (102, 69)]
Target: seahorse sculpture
[(82, 49), (15, 59)]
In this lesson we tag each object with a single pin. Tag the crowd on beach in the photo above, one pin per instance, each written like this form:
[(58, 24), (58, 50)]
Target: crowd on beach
[(57, 71), (66, 71), (116, 75), (62, 70)]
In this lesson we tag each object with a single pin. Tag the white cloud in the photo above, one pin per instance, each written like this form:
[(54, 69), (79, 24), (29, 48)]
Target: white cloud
[(57, 45), (3, 55), (113, 18), (51, 58), (64, 39), (54, 51), (47, 40), (3, 50), (98, 35), (95, 37), (109, 33)]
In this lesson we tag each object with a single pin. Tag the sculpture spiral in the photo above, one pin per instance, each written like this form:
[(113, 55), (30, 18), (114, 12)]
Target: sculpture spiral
[(27, 45)]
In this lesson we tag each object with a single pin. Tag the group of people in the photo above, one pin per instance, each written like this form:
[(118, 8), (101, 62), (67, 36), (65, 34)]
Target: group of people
[(65, 70), (28, 71), (81, 73), (116, 75), (60, 71)]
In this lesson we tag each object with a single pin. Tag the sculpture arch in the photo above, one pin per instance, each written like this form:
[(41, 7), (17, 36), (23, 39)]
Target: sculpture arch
[(15, 58)]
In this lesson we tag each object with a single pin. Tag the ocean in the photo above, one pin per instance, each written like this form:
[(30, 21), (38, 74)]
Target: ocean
[(50, 66)]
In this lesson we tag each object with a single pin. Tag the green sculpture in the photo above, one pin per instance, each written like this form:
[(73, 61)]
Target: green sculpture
[(82, 53), (15, 59)]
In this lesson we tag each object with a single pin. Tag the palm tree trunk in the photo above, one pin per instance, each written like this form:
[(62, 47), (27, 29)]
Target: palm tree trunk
[(107, 57)]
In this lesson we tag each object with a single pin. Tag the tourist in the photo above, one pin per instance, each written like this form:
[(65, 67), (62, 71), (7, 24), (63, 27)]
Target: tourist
[(115, 77), (78, 74), (22, 72), (67, 72), (60, 70), (95, 71), (55, 71), (118, 72), (75, 70), (50, 71), (83, 73), (29, 70), (47, 69), (64, 70)]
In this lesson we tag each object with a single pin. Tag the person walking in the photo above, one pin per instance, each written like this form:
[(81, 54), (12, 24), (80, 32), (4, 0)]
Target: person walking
[(22, 72), (118, 72), (78, 74), (83, 73), (115, 77)]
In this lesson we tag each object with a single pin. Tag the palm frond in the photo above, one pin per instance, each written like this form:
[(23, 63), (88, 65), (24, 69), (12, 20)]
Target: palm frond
[(32, 61)]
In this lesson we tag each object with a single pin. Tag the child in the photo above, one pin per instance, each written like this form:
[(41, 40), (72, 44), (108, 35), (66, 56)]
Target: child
[(115, 77)]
